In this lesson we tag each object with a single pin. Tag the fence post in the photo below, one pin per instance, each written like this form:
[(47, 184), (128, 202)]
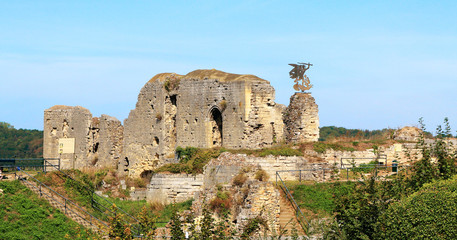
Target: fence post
[(40, 191), (65, 206), (276, 176), (347, 174), (299, 176), (323, 175)]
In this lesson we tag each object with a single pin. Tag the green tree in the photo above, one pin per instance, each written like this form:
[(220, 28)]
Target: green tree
[(176, 226)]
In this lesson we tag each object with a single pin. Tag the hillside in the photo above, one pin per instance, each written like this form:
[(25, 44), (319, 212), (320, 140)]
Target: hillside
[(20, 143), (25, 216)]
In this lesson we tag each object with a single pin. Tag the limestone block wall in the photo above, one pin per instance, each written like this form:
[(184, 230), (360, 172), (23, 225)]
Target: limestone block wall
[(98, 141), (148, 141), (110, 143), (223, 169), (205, 108), (301, 119), (66, 122), (169, 188), (262, 199)]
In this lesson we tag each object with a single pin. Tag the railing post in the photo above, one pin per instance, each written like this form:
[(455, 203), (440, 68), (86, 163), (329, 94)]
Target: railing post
[(323, 175), (65, 206), (300, 176), (347, 174), (40, 191)]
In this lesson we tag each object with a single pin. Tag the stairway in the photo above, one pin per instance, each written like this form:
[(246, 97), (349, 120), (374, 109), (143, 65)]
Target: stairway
[(287, 217), (60, 203)]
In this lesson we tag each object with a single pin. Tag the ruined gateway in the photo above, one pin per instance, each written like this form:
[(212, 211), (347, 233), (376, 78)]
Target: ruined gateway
[(205, 109)]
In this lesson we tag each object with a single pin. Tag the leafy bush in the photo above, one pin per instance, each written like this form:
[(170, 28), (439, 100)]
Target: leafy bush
[(191, 160), (221, 203), (430, 213)]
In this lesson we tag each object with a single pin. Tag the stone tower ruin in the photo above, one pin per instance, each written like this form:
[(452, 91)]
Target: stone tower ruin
[(205, 109)]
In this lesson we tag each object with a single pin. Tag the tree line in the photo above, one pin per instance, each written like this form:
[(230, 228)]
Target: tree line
[(20, 143)]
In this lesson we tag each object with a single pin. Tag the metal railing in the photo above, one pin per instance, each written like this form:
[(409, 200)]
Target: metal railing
[(67, 204), (104, 206), (322, 171), (304, 223), (298, 212)]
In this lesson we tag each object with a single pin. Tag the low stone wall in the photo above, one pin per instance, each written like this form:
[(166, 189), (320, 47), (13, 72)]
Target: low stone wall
[(169, 188), (271, 164)]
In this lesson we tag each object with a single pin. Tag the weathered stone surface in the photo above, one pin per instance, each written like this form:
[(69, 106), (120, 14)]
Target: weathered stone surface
[(410, 134), (170, 188), (301, 119), (67, 122), (98, 141), (205, 108)]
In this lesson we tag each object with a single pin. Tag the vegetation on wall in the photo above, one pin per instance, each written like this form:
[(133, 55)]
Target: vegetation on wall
[(20, 143), (191, 160)]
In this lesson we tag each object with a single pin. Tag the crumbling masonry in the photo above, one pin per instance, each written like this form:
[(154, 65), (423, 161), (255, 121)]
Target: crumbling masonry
[(205, 108)]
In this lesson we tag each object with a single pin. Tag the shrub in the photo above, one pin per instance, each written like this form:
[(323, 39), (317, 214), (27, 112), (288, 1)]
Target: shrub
[(430, 213), (171, 83), (140, 182), (221, 203), (191, 160), (240, 179), (261, 175)]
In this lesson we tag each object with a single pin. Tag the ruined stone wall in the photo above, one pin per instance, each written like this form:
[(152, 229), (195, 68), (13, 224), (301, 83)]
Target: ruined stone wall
[(150, 129), (66, 122), (98, 141), (301, 119), (205, 108), (170, 188), (110, 142)]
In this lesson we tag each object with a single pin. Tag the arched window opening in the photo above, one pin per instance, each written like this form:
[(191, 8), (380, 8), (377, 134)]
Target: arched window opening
[(216, 127)]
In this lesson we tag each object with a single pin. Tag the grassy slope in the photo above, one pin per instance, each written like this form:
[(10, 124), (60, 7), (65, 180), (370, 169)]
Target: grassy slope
[(25, 216), (316, 200), (82, 197)]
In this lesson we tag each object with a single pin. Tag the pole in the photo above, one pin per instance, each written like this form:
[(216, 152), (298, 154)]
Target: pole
[(300, 176)]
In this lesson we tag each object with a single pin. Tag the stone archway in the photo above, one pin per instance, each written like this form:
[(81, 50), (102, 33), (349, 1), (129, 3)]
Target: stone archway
[(216, 127)]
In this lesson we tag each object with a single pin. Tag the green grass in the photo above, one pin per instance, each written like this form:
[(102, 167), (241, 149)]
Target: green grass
[(78, 193), (318, 197), (279, 150), (321, 147), (25, 216)]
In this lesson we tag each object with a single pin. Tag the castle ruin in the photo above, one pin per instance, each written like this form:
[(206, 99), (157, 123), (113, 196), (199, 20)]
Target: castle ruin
[(205, 109)]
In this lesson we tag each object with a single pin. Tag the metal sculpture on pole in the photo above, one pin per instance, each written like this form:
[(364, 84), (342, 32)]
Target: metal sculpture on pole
[(298, 74)]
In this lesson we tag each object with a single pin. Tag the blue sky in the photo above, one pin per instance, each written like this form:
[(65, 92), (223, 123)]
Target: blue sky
[(377, 64)]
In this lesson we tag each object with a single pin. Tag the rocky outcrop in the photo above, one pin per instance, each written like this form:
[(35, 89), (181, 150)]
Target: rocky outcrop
[(410, 134), (301, 119)]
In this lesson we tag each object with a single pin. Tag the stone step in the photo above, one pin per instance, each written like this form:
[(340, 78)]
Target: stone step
[(60, 205)]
